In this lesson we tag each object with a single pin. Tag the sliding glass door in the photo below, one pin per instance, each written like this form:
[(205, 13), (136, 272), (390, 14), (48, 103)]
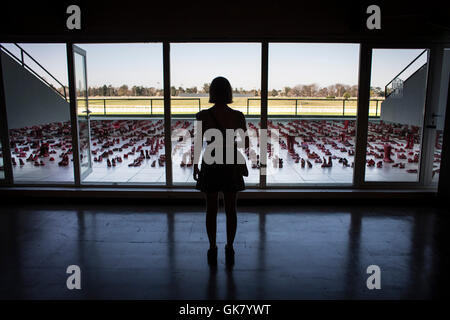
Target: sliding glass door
[(394, 139), (83, 112)]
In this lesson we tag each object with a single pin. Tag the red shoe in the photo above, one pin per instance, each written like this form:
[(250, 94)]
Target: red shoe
[(387, 153)]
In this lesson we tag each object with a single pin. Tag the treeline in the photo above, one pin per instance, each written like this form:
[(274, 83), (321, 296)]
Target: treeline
[(310, 90)]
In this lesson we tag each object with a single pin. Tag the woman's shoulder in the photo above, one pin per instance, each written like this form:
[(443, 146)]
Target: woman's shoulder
[(238, 113), (200, 115)]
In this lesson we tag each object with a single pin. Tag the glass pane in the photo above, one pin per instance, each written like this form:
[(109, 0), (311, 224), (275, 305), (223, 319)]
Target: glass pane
[(399, 78), (312, 102), (82, 112), (38, 114), (193, 67), (126, 113)]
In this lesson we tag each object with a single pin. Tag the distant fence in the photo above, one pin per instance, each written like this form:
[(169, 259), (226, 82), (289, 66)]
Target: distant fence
[(316, 106), (249, 106)]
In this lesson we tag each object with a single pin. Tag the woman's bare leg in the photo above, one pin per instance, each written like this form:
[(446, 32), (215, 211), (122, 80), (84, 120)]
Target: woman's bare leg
[(231, 212), (211, 217)]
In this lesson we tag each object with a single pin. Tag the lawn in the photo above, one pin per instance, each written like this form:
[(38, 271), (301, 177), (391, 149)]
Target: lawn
[(248, 105)]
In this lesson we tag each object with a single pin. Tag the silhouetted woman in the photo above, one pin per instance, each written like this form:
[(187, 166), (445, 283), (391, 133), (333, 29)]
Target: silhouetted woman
[(221, 177)]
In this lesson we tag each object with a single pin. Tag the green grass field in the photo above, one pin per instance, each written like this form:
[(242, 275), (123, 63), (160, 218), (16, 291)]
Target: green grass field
[(248, 105)]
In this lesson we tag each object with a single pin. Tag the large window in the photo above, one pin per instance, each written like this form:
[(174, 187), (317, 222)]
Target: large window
[(394, 141), (35, 82), (311, 112), (126, 114), (193, 67), (312, 102)]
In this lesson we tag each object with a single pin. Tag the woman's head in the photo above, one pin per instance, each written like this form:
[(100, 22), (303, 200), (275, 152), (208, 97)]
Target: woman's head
[(220, 91)]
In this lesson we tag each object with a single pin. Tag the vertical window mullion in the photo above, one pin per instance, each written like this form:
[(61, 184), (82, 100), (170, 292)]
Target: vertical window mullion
[(167, 115), (264, 88), (7, 165), (362, 117)]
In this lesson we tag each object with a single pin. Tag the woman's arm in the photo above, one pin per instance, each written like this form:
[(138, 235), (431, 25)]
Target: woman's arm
[(198, 144), (243, 126)]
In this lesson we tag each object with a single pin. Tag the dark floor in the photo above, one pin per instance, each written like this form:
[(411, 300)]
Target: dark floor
[(159, 252)]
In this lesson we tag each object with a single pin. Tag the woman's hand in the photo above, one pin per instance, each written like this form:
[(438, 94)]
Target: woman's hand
[(196, 172)]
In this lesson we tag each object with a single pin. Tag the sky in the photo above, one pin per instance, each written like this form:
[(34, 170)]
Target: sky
[(193, 64)]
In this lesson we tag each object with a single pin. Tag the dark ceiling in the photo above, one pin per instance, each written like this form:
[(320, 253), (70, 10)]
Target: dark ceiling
[(104, 21)]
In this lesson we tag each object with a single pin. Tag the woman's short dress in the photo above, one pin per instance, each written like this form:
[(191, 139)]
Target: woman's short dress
[(219, 177)]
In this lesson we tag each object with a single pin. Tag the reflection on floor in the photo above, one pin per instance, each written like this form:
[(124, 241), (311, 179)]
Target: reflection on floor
[(132, 151), (2, 168), (159, 252)]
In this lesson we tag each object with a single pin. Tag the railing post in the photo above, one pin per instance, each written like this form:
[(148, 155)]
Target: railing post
[(151, 106), (199, 105), (343, 107), (104, 107), (296, 107), (376, 109), (248, 106)]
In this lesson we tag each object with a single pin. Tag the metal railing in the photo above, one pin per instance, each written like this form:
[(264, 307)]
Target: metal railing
[(21, 60), (113, 106), (386, 93), (296, 100), (150, 104)]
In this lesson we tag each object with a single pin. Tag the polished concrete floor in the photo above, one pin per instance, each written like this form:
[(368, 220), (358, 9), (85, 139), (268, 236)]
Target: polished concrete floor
[(282, 252)]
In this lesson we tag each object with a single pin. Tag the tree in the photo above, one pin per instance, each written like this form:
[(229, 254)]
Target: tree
[(354, 90), (346, 95), (297, 91), (206, 87), (323, 92), (274, 93), (123, 90)]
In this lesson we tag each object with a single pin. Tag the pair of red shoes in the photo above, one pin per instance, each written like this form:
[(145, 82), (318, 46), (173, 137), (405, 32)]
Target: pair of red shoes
[(327, 165)]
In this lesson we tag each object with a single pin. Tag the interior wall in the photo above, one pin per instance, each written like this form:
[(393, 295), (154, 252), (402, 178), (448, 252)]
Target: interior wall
[(407, 109), (29, 101)]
